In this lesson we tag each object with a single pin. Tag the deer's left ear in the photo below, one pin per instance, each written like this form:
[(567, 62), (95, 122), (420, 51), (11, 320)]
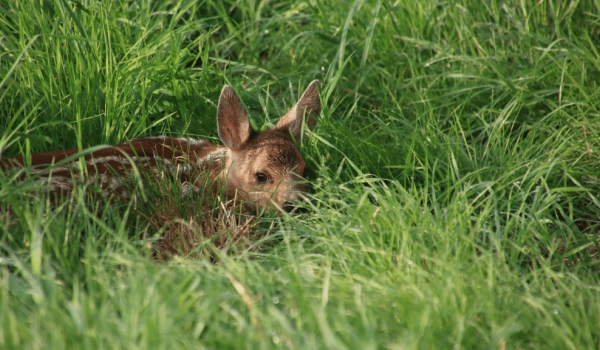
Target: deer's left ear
[(307, 107), (232, 119)]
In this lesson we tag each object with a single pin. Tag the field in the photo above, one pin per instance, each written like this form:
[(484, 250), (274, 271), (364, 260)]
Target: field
[(454, 182)]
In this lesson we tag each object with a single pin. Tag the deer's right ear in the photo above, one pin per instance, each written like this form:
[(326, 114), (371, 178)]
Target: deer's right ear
[(232, 119), (307, 108)]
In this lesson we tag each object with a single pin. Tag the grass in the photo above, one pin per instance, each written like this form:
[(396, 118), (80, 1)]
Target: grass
[(454, 175)]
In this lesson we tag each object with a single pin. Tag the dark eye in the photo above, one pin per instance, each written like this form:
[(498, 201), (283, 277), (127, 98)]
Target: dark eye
[(261, 178)]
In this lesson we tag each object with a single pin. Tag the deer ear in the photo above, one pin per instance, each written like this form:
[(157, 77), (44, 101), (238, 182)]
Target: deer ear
[(308, 107), (232, 119)]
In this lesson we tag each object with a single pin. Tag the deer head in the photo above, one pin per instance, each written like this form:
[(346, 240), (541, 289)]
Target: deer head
[(266, 167)]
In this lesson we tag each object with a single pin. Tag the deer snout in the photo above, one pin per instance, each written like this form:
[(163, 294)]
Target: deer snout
[(288, 206), (293, 196)]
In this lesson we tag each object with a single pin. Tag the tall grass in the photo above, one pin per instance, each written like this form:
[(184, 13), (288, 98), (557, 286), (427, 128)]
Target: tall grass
[(454, 174)]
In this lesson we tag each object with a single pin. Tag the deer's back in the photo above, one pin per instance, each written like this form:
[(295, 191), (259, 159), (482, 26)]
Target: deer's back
[(109, 167)]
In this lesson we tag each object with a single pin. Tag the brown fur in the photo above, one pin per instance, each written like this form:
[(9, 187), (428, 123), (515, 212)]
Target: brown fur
[(246, 156)]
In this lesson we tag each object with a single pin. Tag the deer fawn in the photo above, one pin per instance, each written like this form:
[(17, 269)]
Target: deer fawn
[(262, 167)]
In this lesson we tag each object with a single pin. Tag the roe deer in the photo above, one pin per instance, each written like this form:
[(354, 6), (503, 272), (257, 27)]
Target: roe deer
[(262, 167)]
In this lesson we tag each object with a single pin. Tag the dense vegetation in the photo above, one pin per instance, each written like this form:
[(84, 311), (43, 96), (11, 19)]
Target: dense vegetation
[(454, 174)]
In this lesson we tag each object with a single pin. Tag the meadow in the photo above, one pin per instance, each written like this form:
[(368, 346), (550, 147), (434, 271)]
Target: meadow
[(453, 179)]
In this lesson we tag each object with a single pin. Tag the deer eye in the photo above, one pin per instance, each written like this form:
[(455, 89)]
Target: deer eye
[(261, 178)]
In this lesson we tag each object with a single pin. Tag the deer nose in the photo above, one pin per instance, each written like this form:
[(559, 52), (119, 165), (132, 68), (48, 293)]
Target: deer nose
[(288, 206)]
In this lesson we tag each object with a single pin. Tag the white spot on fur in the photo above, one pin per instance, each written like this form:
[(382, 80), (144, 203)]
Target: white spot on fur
[(191, 141), (55, 169), (187, 189), (121, 159), (215, 156), (166, 162)]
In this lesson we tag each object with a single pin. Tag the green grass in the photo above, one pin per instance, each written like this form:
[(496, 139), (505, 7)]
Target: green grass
[(454, 174)]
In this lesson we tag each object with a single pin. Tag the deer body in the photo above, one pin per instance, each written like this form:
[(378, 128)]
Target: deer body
[(263, 167)]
